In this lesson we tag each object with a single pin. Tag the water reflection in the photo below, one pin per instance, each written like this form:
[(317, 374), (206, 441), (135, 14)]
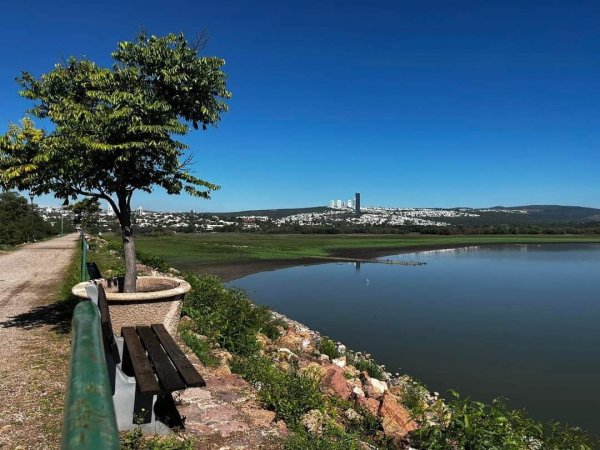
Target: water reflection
[(519, 321)]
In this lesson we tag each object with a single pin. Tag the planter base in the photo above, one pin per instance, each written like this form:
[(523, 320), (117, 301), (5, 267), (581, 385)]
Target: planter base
[(158, 300)]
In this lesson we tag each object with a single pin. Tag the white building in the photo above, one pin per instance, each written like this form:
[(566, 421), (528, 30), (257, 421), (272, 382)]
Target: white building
[(339, 204), (332, 204), (350, 203)]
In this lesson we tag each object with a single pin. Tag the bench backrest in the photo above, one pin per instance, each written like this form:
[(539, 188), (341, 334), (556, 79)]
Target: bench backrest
[(93, 271), (107, 330)]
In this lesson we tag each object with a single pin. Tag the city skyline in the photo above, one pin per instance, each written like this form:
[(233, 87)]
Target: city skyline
[(425, 104)]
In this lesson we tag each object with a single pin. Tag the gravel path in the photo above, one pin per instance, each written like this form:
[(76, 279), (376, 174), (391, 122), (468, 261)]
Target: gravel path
[(34, 343)]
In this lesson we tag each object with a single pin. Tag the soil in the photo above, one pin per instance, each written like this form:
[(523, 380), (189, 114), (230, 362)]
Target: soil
[(34, 332)]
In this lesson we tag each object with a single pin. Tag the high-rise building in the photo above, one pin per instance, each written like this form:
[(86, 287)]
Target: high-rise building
[(339, 204), (357, 202), (332, 203)]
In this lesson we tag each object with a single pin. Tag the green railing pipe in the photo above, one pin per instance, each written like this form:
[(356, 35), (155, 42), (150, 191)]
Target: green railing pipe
[(89, 421), (84, 275)]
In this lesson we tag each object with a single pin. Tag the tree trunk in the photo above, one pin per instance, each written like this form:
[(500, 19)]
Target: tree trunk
[(128, 243), (130, 260)]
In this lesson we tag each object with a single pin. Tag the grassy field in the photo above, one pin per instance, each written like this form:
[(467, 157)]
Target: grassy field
[(198, 252)]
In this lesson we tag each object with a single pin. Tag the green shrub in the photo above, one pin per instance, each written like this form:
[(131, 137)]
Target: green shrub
[(134, 440), (289, 394), (227, 316), (333, 438), (477, 426), (368, 365), (201, 348), (154, 261), (328, 347)]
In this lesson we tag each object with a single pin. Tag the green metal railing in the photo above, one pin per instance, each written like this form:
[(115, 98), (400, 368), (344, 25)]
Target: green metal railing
[(84, 249), (89, 419)]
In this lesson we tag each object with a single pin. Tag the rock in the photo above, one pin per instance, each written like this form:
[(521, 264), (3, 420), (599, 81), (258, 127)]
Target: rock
[(341, 349), (323, 358), (357, 392), (352, 415), (370, 404), (313, 421), (282, 428), (313, 368), (223, 356), (334, 383), (395, 419), (340, 362), (263, 340), (373, 387), (285, 354)]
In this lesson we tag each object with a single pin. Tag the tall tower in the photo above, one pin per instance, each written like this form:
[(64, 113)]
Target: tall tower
[(357, 202)]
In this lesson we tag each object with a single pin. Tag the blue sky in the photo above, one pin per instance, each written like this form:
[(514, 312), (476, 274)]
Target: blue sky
[(411, 103)]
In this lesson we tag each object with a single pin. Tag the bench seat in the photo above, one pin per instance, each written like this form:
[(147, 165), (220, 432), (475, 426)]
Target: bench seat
[(145, 366)]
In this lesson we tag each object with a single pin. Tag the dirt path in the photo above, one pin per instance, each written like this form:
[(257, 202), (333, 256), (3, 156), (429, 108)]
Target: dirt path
[(34, 343)]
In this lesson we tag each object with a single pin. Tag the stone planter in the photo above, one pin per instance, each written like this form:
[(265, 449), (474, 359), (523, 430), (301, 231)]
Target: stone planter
[(157, 300)]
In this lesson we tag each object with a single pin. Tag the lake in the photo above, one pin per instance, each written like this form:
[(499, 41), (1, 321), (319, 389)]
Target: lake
[(514, 321)]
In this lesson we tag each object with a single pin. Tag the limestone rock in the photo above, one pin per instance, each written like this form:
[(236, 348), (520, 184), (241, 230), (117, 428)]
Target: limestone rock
[(352, 415), (340, 362), (373, 387), (323, 358), (395, 419), (357, 392)]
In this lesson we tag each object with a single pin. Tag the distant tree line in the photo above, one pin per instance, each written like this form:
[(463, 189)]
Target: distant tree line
[(18, 223)]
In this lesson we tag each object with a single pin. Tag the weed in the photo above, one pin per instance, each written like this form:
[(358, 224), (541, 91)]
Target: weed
[(227, 316), (328, 347), (290, 394), (200, 347)]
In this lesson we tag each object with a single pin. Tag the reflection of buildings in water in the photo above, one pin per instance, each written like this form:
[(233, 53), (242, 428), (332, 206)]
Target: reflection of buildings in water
[(357, 266)]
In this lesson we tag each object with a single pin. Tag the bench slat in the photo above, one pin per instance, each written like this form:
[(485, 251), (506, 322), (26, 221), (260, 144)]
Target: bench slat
[(183, 365), (167, 374), (107, 330), (135, 355)]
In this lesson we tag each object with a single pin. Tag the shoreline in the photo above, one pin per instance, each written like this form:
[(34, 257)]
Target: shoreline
[(230, 271)]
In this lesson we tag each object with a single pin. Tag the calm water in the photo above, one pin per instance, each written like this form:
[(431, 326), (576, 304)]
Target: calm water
[(518, 321)]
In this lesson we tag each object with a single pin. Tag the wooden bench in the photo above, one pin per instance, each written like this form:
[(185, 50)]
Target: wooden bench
[(145, 366)]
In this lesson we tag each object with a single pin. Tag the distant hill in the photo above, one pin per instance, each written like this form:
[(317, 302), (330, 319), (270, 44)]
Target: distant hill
[(272, 213), (535, 215), (497, 215)]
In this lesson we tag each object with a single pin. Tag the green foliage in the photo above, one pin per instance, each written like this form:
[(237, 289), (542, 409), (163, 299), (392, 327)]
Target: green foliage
[(113, 128), (367, 365), (333, 438), (227, 316), (135, 440), (154, 261), (328, 347), (86, 213), (15, 220), (290, 394), (201, 348), (477, 426)]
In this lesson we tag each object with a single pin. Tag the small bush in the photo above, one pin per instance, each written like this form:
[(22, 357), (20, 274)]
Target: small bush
[(154, 261), (135, 440), (370, 366), (328, 347), (333, 438), (227, 316), (289, 394), (477, 426), (201, 348)]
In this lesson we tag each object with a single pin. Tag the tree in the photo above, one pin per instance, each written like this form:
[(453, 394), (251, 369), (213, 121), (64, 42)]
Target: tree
[(86, 213), (18, 221), (114, 127)]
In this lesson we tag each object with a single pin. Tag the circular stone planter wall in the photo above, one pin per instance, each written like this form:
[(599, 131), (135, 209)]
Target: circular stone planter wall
[(157, 300)]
